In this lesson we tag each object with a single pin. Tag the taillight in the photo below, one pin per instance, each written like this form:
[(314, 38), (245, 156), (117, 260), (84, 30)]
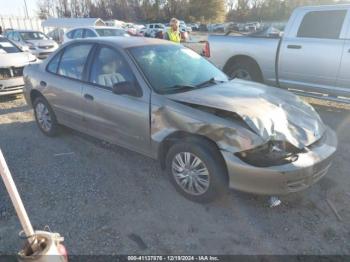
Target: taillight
[(206, 50)]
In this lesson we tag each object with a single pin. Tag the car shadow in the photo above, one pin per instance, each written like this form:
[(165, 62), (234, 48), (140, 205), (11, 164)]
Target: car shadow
[(19, 109)]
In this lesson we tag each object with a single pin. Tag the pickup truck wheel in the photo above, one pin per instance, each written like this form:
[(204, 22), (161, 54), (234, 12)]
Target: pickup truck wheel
[(196, 171), (244, 69), (45, 117)]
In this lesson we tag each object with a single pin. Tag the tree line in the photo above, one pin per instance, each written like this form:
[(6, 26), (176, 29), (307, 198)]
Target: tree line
[(268, 10), (202, 11)]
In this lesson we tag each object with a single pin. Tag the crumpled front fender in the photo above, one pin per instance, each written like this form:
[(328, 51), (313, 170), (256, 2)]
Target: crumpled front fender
[(231, 136)]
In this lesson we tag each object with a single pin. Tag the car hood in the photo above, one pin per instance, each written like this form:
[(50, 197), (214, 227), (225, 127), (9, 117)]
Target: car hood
[(272, 113), (41, 42), (15, 59)]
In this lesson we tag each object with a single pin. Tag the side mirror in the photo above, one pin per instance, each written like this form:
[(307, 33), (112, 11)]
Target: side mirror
[(126, 88)]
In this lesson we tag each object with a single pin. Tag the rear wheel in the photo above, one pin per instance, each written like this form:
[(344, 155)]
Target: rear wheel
[(244, 69), (45, 117), (196, 170)]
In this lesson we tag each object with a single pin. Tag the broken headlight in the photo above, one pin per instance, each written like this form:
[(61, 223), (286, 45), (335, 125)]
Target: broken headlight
[(273, 153)]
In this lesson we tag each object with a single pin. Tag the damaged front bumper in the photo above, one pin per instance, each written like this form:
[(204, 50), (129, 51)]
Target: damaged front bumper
[(310, 167)]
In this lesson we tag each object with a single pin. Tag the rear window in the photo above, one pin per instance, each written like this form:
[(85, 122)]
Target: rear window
[(53, 65), (322, 24), (7, 47), (73, 61)]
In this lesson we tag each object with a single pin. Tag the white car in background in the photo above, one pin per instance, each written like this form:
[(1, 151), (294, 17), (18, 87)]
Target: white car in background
[(93, 31), (184, 27), (35, 42), (152, 29), (12, 62)]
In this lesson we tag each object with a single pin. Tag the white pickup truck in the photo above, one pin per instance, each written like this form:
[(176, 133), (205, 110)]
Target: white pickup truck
[(312, 56)]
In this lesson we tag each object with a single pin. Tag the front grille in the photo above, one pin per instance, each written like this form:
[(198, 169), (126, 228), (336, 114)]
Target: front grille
[(7, 73), (17, 71)]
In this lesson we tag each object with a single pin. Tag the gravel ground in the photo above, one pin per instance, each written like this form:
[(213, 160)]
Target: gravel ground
[(107, 200)]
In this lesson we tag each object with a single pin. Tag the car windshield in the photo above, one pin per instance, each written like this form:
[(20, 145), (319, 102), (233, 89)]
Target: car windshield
[(7, 47), (33, 36), (110, 32), (170, 67)]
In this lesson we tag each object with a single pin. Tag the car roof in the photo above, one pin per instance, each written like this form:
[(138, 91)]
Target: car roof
[(24, 31), (95, 27), (125, 42)]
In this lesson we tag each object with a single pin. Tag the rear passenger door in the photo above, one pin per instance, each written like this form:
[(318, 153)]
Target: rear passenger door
[(119, 119), (311, 52), (63, 85)]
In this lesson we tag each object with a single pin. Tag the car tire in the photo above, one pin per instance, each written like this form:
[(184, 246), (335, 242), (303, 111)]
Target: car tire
[(246, 70), (210, 159), (45, 117)]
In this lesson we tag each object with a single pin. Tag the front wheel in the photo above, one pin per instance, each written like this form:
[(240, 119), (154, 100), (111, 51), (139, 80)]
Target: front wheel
[(45, 117), (197, 171)]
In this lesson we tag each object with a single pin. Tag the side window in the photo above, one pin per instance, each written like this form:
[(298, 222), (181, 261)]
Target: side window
[(73, 61), (15, 37), (71, 34), (78, 33), (10, 35), (109, 68), (89, 33), (53, 64), (322, 24), (151, 26)]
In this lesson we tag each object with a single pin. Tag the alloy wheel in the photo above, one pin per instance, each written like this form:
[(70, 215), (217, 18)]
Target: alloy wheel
[(190, 173), (43, 116)]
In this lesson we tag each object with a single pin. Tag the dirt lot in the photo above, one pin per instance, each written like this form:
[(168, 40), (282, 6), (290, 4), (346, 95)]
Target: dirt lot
[(107, 200)]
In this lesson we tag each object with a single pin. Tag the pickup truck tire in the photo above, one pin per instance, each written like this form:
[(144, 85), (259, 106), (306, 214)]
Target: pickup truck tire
[(45, 117), (203, 162), (244, 69)]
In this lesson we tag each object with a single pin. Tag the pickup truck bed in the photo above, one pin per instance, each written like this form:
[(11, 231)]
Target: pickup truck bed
[(227, 52), (313, 56)]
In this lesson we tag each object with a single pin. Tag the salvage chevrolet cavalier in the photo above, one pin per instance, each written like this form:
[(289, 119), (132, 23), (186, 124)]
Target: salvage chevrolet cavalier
[(165, 101)]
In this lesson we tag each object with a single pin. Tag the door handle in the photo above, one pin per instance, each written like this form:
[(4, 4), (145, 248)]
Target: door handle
[(43, 83), (294, 46), (89, 97)]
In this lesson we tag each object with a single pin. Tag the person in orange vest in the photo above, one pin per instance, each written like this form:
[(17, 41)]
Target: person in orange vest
[(173, 33)]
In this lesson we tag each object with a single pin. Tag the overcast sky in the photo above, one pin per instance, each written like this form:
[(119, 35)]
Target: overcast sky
[(16, 7)]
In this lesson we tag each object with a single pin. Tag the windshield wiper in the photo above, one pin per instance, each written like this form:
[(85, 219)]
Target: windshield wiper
[(211, 81), (176, 88)]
